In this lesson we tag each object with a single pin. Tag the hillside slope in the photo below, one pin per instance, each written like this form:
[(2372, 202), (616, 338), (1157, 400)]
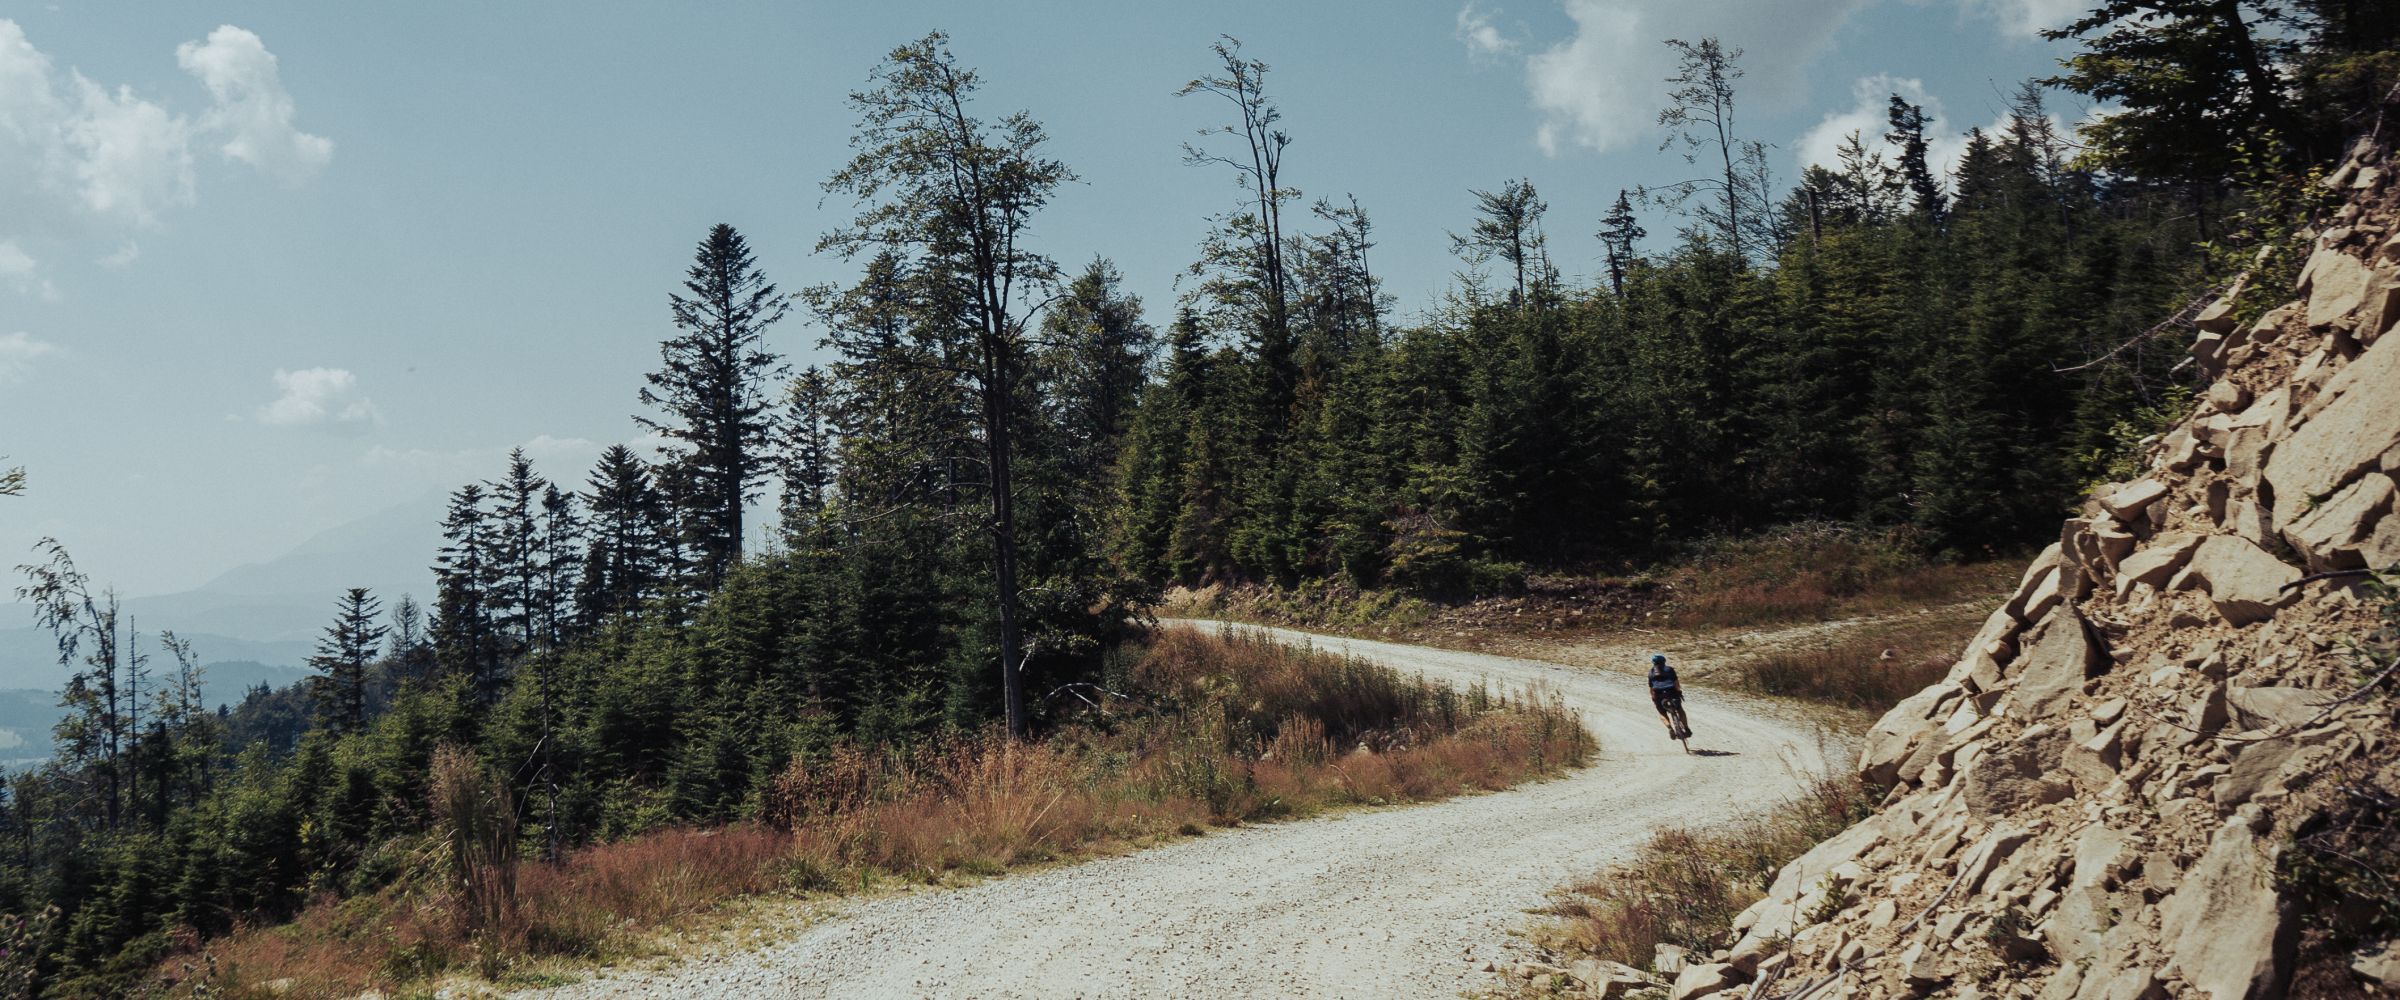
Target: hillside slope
[(2156, 771)]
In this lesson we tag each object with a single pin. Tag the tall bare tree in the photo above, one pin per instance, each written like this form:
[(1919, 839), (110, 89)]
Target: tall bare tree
[(1508, 226), (1245, 251), (955, 194), (1699, 118)]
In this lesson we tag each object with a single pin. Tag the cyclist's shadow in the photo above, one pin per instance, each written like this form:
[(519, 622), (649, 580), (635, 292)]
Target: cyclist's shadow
[(1705, 752)]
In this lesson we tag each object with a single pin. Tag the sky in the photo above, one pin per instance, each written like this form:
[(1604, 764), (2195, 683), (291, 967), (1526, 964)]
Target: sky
[(267, 268)]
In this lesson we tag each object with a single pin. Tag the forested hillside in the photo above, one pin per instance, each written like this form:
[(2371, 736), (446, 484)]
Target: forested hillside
[(1004, 462)]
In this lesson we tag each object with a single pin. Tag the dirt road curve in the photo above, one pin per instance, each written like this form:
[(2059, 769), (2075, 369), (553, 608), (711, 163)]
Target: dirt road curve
[(1389, 903)]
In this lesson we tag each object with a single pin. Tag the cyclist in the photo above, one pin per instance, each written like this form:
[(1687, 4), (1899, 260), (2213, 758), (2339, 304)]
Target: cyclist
[(1666, 695)]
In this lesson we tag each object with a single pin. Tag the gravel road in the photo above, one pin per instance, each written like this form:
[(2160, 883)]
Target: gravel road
[(1405, 902)]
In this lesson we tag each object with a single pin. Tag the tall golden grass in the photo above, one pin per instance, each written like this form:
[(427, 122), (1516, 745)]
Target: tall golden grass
[(1223, 729), (1687, 884)]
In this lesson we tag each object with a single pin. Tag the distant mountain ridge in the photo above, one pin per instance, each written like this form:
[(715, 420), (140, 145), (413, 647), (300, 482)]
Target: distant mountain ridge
[(265, 615)]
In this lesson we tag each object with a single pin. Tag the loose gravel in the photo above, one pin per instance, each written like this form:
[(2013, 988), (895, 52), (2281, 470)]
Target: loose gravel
[(1404, 902)]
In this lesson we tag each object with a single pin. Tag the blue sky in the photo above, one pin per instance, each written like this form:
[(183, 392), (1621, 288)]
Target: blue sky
[(266, 268)]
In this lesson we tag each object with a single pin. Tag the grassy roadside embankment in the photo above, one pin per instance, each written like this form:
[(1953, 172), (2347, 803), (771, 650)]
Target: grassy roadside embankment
[(1844, 622), (1199, 730), (1802, 574)]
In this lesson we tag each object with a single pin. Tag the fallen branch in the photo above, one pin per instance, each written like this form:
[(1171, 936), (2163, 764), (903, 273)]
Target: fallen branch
[(2181, 320)]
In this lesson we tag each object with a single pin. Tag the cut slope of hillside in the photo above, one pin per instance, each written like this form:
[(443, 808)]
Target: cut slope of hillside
[(2162, 767)]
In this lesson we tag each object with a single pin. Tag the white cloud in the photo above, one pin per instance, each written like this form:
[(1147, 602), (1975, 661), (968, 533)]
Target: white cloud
[(79, 158), (131, 159), (317, 396), (2028, 17), (122, 257), (1870, 115), (1602, 88), (17, 352), (252, 111), (19, 270), (1483, 39)]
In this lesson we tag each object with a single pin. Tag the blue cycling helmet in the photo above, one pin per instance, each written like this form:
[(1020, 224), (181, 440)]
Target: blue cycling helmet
[(1658, 659)]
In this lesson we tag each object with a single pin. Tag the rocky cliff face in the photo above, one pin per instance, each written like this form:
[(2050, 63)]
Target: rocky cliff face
[(2099, 799)]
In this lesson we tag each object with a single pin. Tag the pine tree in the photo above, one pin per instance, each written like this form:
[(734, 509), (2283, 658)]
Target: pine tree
[(1620, 234), (1242, 267), (465, 636), (348, 646), (516, 554), (1908, 123), (1096, 356), (625, 561), (711, 389), (808, 444), (2195, 83), (558, 565), (1699, 117)]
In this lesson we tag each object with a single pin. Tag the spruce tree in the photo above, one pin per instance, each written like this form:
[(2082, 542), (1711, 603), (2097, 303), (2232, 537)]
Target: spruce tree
[(1908, 123), (807, 444), (465, 635), (711, 393), (1620, 233), (342, 657), (626, 558)]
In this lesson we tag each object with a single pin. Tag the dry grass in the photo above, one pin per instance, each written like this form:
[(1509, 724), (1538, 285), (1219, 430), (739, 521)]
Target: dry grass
[(1687, 885), (1234, 729), (1863, 672), (1817, 572)]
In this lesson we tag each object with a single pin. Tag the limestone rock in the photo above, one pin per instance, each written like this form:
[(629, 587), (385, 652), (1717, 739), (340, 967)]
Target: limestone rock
[(2332, 534), (2231, 938), (2228, 396), (2267, 767), (1896, 735), (1607, 980), (2337, 285), (2083, 919), (2241, 579), (1701, 979), (2344, 439), (2381, 310), (2056, 661), (2155, 563), (2128, 502), (2095, 760), (2042, 565), (2017, 775), (1797, 890), (2254, 429), (2381, 965), (1667, 960), (1988, 853), (2275, 707)]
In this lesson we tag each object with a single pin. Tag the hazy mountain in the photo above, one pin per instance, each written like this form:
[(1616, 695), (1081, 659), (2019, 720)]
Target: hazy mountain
[(260, 621)]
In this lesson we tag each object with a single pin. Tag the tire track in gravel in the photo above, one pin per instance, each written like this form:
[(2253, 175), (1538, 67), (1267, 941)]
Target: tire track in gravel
[(1405, 902)]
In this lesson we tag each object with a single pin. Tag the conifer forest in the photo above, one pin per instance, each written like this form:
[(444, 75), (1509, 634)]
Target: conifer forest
[(956, 527)]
